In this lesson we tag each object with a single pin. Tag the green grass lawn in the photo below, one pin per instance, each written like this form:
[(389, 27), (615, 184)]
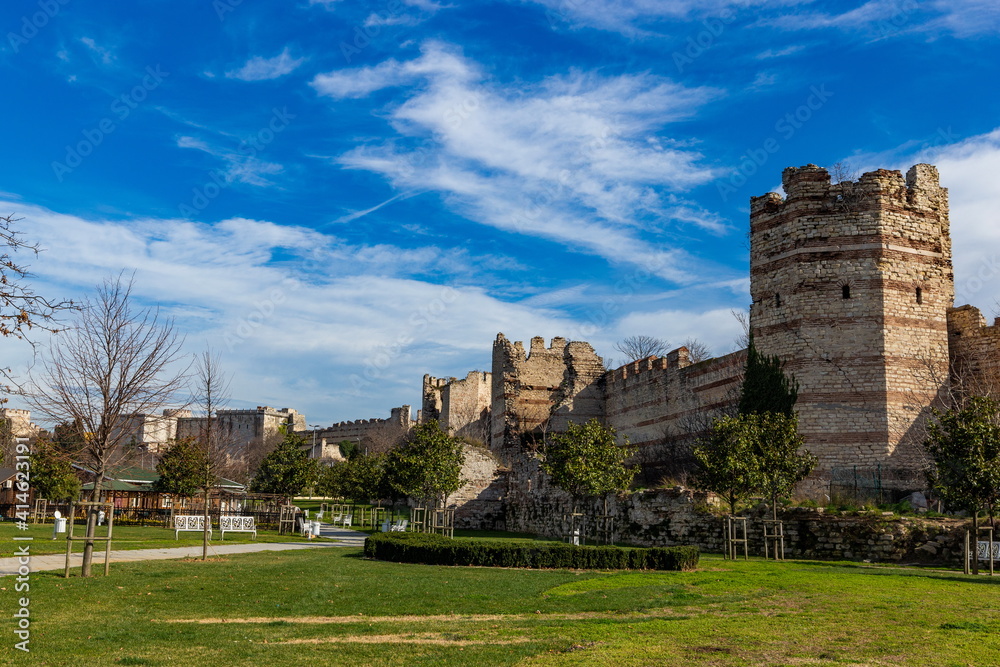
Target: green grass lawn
[(331, 607), (127, 537)]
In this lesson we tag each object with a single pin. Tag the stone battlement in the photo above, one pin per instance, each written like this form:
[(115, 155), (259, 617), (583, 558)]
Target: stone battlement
[(810, 187)]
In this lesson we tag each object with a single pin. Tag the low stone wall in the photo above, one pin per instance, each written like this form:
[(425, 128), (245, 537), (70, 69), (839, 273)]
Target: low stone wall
[(681, 516)]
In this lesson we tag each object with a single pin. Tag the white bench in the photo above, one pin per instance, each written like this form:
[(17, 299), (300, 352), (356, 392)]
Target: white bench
[(194, 523), (237, 524), (983, 551)]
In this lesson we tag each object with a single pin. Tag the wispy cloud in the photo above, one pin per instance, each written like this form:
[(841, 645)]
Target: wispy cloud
[(240, 166), (572, 159), (104, 55), (259, 68)]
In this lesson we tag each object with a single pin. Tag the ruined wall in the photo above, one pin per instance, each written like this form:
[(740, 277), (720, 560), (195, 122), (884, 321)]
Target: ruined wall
[(431, 398), (376, 434), (465, 406), (544, 389), (663, 405), (480, 501), (975, 352), (851, 284)]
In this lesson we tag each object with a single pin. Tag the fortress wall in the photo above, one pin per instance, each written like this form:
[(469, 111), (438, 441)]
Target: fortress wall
[(663, 405)]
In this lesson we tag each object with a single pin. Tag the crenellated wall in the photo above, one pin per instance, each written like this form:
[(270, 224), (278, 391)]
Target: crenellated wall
[(664, 405)]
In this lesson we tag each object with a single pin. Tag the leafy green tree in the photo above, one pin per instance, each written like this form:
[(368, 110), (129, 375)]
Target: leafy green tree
[(182, 469), (766, 388), (428, 465), (727, 461), (363, 476), (287, 470), (52, 476), (753, 453), (964, 446), (778, 443), (349, 448), (586, 461)]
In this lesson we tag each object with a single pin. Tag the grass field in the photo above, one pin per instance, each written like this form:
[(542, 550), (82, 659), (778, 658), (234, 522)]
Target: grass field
[(331, 607), (126, 537)]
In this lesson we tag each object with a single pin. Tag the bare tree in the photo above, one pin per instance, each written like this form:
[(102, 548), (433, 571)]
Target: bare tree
[(21, 310), (639, 347), (697, 350), (743, 317), (116, 362), (211, 393)]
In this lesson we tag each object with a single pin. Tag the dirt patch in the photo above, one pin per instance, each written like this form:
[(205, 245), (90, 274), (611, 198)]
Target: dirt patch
[(422, 638), (581, 616)]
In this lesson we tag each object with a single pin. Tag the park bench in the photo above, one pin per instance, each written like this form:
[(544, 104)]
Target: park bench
[(399, 526), (194, 523), (237, 524), (983, 551)]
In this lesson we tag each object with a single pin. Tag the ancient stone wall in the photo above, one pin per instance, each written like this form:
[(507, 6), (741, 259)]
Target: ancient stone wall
[(975, 352), (20, 422), (465, 406), (669, 517), (544, 389), (373, 434), (663, 405), (431, 398), (480, 501), (850, 285), (244, 427)]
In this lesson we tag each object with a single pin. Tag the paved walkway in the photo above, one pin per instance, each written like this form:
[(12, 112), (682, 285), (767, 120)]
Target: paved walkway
[(329, 537)]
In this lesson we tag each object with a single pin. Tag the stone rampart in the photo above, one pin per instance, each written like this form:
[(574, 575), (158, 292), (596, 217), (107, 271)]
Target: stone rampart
[(662, 405)]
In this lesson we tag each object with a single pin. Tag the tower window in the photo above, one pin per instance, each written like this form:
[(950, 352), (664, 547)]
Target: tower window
[(777, 300), (920, 295), (845, 291)]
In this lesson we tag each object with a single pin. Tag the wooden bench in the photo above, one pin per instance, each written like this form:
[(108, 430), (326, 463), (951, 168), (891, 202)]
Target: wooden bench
[(194, 523), (237, 524)]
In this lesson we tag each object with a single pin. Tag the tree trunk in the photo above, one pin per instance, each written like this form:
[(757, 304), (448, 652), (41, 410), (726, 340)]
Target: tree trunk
[(204, 532), (88, 545)]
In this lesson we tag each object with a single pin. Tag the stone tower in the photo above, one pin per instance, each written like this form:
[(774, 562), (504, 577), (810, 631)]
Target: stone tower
[(851, 285)]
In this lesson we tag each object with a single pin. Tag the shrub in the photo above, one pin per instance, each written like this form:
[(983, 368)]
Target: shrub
[(432, 549)]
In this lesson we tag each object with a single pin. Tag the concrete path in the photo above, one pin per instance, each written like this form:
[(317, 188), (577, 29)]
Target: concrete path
[(329, 537)]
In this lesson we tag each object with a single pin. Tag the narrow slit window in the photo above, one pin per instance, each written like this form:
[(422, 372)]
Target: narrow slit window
[(845, 291), (920, 295), (777, 300)]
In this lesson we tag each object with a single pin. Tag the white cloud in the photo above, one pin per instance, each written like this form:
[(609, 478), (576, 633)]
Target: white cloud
[(301, 318), (968, 170), (579, 159), (259, 68)]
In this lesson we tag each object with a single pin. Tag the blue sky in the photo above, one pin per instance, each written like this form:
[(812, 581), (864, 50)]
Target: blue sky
[(342, 196)]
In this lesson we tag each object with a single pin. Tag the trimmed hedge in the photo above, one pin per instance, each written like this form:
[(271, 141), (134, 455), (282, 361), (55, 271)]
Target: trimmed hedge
[(432, 549)]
